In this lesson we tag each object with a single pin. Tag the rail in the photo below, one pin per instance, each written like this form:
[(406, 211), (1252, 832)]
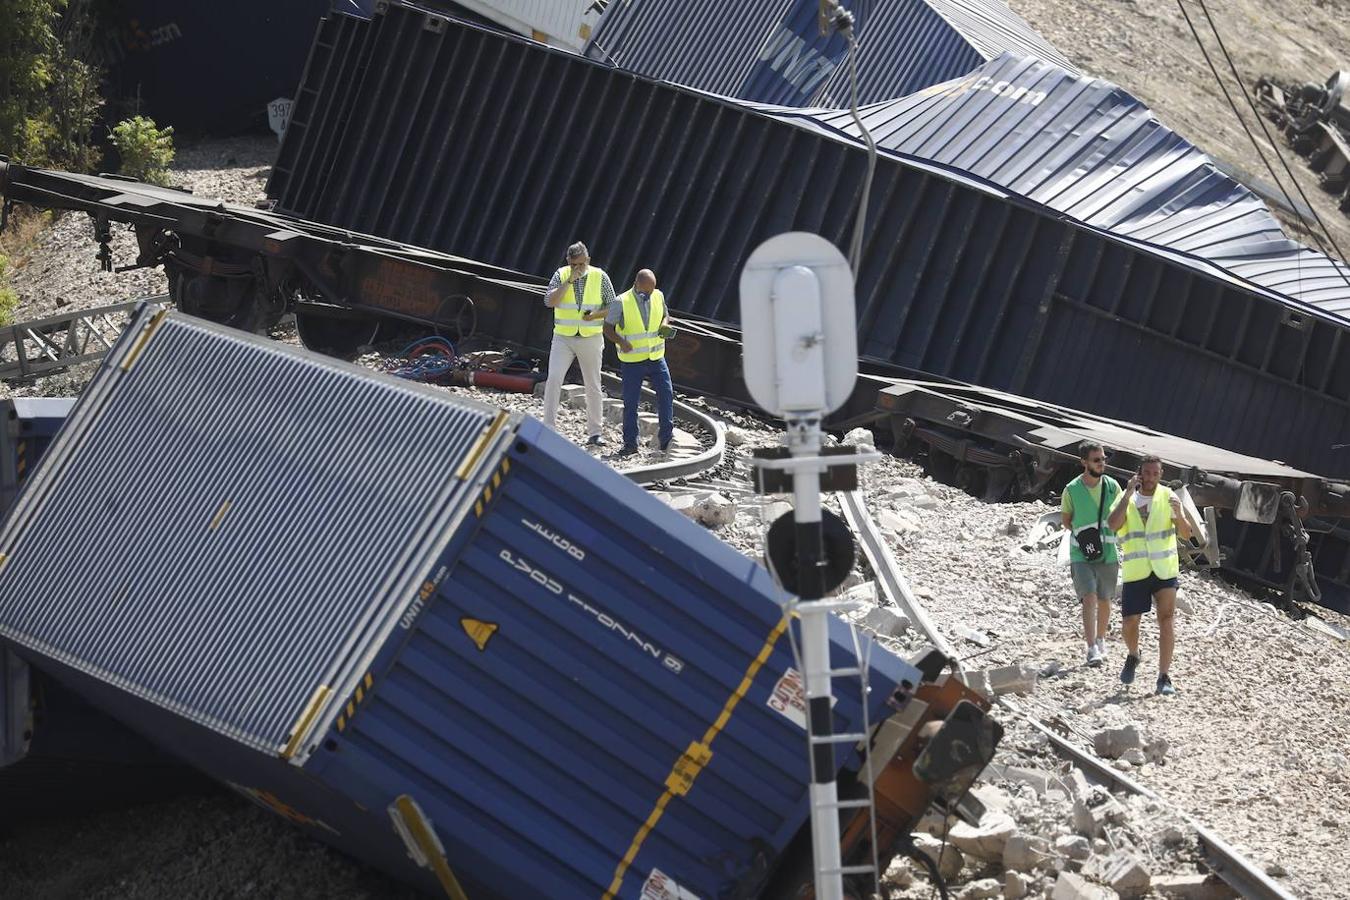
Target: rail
[(708, 458), (1240, 873)]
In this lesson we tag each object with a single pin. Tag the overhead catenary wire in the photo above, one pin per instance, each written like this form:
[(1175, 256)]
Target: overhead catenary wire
[(1334, 251), (841, 20)]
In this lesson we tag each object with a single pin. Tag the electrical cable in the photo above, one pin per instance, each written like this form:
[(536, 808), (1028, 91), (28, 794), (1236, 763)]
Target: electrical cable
[(842, 21), (1338, 259)]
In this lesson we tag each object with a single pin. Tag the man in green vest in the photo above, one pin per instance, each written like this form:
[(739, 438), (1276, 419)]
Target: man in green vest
[(639, 323), (578, 295), (1147, 518), (1083, 508)]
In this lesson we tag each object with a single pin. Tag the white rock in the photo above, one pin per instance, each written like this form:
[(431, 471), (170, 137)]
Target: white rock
[(984, 889), (1090, 818), (900, 874), (1134, 756), (735, 437), (1039, 779), (1025, 852), (987, 840), (684, 503), (1122, 871), (1156, 750), (1077, 785), (1073, 846), (649, 424), (1075, 887), (992, 796), (970, 634), (715, 510), (663, 496), (862, 592), (574, 396), (925, 501), (885, 622), (1016, 679), (951, 861), (860, 437), (1111, 743), (1014, 885), (935, 823), (896, 522)]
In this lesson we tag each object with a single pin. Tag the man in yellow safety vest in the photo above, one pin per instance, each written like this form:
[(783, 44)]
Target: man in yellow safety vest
[(578, 295), (639, 322), (1147, 518)]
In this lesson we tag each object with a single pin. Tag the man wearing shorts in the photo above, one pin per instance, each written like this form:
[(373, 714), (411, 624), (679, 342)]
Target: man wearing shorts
[(1147, 518), (1083, 509)]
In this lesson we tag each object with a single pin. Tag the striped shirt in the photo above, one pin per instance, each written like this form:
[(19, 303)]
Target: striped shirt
[(579, 287)]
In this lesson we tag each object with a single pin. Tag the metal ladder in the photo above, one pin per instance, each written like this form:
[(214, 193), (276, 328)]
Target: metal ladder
[(848, 738)]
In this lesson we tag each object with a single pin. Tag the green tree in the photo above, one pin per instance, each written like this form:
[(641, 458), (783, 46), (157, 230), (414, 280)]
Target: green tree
[(48, 97)]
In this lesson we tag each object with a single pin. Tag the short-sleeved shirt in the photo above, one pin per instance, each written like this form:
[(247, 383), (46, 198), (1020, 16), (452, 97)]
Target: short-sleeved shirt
[(614, 316), (579, 286), (1088, 517)]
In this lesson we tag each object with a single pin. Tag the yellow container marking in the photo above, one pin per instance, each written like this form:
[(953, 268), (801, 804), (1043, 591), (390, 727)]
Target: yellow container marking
[(471, 461), (143, 339), (220, 515), (693, 760), (322, 694), (479, 632), (430, 847)]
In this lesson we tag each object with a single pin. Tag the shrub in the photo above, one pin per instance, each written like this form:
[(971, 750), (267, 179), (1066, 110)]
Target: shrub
[(146, 149)]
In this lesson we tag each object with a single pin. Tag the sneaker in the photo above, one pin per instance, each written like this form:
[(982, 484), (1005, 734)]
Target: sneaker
[(595, 440), (628, 451), (1094, 657), (1127, 673), (1165, 685), (1100, 644)]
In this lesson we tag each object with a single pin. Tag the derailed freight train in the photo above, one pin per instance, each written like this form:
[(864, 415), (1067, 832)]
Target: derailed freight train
[(440, 636)]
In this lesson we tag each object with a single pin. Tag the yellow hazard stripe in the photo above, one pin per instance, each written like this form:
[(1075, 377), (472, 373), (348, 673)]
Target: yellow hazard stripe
[(486, 497), (692, 761), (362, 689)]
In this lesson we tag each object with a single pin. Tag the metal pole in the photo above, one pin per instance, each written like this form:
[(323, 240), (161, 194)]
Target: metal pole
[(804, 440)]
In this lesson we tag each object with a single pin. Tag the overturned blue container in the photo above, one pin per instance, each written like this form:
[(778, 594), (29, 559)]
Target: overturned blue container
[(27, 426), (434, 634)]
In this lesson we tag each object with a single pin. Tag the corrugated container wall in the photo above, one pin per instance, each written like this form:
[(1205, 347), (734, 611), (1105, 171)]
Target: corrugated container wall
[(774, 52), (352, 598), (471, 142)]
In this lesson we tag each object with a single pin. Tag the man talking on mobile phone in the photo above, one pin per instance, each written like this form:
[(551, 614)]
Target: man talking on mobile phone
[(1147, 518)]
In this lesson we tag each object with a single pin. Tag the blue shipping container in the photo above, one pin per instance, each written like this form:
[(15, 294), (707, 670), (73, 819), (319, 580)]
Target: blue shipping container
[(436, 635), (29, 425)]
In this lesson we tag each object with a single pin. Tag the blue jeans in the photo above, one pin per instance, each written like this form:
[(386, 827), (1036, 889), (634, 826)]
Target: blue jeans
[(634, 373)]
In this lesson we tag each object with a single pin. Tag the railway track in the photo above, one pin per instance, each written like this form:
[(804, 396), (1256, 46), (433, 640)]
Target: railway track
[(1240, 873)]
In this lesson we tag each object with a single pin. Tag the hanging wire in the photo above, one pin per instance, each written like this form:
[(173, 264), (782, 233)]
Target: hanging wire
[(841, 20), (1337, 257)]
